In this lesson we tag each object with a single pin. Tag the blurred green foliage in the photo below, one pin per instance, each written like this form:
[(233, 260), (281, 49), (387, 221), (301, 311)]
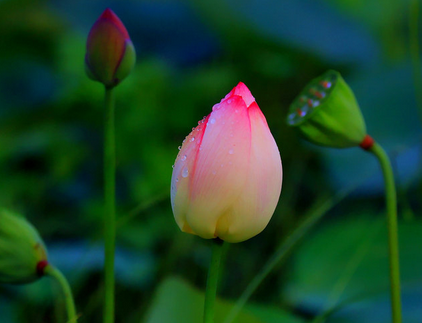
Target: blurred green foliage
[(51, 123)]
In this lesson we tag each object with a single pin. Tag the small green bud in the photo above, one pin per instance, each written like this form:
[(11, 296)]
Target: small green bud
[(23, 255), (110, 55), (327, 113)]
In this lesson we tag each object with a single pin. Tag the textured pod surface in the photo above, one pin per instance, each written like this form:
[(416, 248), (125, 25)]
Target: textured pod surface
[(327, 113)]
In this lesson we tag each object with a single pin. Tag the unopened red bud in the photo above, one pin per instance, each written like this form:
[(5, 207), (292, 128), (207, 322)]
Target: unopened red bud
[(110, 55)]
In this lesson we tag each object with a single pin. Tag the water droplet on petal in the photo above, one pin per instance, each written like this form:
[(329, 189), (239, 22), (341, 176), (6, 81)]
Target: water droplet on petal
[(212, 121), (177, 179), (192, 139), (183, 158), (229, 101), (172, 166), (185, 173), (231, 151), (180, 147), (216, 107), (237, 111)]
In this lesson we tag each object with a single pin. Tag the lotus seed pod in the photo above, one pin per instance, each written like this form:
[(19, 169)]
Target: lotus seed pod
[(23, 255), (327, 113)]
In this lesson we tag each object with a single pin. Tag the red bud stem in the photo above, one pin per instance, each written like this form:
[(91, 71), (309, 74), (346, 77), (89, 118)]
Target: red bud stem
[(367, 143), (41, 266)]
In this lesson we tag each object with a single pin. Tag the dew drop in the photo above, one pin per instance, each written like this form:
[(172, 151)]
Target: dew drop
[(237, 111), (212, 121), (192, 139), (172, 166), (231, 151), (183, 158), (185, 172), (229, 101), (180, 147), (177, 179), (216, 107)]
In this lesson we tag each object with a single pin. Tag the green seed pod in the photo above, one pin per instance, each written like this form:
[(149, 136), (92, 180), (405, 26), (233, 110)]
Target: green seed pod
[(327, 113), (22, 252)]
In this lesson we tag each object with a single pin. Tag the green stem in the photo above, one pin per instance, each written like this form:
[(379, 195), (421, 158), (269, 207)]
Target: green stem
[(109, 215), (284, 249), (393, 243), (211, 291), (414, 52), (67, 292)]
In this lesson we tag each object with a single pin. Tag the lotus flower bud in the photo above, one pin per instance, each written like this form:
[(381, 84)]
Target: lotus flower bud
[(327, 114), (22, 252), (227, 176), (110, 55)]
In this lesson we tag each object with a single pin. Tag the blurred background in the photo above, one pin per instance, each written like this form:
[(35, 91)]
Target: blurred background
[(190, 55)]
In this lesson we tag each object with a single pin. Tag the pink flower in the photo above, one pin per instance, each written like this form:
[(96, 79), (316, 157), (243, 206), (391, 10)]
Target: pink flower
[(110, 55), (227, 176)]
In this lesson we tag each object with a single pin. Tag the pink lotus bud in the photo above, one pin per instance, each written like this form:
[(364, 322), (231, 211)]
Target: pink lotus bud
[(227, 176), (110, 55)]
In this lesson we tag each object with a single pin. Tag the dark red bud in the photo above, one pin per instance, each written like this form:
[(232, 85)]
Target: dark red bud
[(367, 142)]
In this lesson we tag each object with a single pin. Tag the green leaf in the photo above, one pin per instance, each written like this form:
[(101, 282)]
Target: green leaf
[(272, 314), (347, 261), (178, 302)]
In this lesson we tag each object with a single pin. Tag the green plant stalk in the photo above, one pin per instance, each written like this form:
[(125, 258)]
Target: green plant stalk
[(212, 280), (110, 205), (67, 292), (393, 241), (414, 52), (284, 249)]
